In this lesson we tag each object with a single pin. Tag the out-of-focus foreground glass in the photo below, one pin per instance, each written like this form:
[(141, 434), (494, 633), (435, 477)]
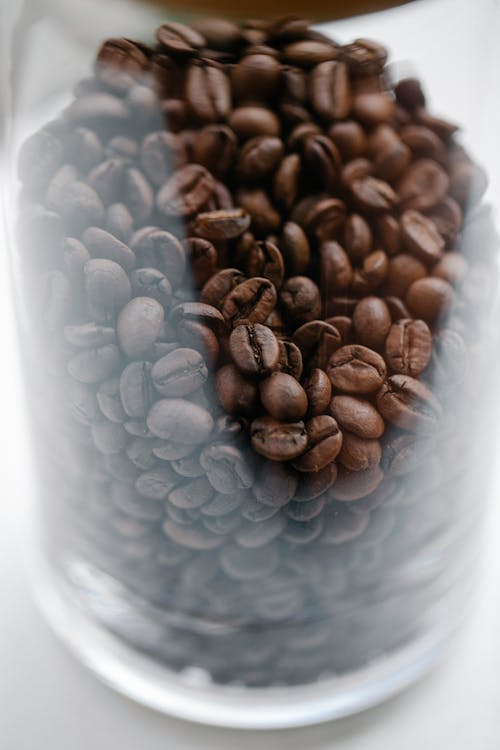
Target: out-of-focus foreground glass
[(255, 268)]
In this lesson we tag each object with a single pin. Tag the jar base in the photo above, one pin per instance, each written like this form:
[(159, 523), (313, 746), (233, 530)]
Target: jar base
[(192, 697)]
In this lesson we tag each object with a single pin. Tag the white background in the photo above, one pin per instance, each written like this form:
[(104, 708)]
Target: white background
[(49, 702)]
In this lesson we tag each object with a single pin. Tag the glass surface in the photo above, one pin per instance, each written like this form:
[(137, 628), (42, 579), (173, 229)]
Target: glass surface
[(190, 552)]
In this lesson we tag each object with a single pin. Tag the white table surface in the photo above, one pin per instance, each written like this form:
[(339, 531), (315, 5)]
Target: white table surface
[(48, 701)]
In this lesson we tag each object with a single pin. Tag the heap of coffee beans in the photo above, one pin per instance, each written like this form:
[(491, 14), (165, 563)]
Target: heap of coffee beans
[(253, 305)]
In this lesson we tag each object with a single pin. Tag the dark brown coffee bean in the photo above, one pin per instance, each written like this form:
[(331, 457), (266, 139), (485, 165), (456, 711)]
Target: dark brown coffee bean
[(198, 312), (220, 285), (255, 77), (199, 336), (183, 421), (402, 271), (136, 392), (372, 321), (390, 155), (265, 218), (397, 308), (259, 157), (156, 248), (299, 134), (218, 33), (290, 360), (353, 485), (191, 494), (421, 237), (215, 147), (453, 268), (250, 121), (330, 90), (359, 454), (283, 397), (443, 128), (300, 299), (275, 484), (318, 390), (423, 185), (222, 225), (423, 142), (372, 195), (408, 347), (237, 394), (429, 298), (343, 324), (249, 302), (350, 139), (278, 441), (388, 233), (228, 471), (186, 192), (287, 180), (261, 259), (322, 160), (408, 403), (322, 218), (409, 93), (354, 170), (324, 441), (179, 373), (315, 484), (97, 108), (372, 108), (317, 342), (138, 326), (161, 153), (364, 57), (335, 270), (309, 52), (358, 240), (179, 39), (202, 259), (356, 369), (254, 349), (295, 248), (358, 416), (448, 219), (107, 288), (207, 92)]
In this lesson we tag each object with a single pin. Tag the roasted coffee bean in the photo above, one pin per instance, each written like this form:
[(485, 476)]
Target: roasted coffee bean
[(287, 181), (197, 312), (356, 369), (358, 416), (324, 441), (246, 564), (257, 535), (94, 365), (300, 299), (404, 453), (303, 512), (350, 139), (389, 233), (186, 192), (207, 92), (222, 225), (309, 52), (318, 390), (161, 153), (109, 437), (237, 394), (179, 373), (171, 450), (39, 158), (421, 237), (331, 90), (265, 218), (402, 271), (321, 218), (344, 526), (353, 485), (181, 420), (283, 397), (138, 326), (259, 157), (136, 390), (254, 349), (220, 285), (228, 471), (343, 324), (290, 360), (372, 321), (249, 302), (89, 335), (97, 108), (109, 400), (256, 76), (397, 308), (408, 403), (365, 56), (179, 39), (218, 33), (429, 298), (408, 347), (149, 282), (295, 248), (215, 148), (315, 484), (278, 441), (251, 121), (359, 454), (372, 195), (101, 244), (335, 270), (450, 360), (274, 484), (317, 342), (119, 222), (423, 185), (262, 259), (372, 274), (358, 240), (192, 494), (192, 537), (202, 259), (322, 161)]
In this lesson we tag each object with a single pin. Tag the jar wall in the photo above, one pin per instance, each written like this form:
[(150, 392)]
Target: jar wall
[(252, 472)]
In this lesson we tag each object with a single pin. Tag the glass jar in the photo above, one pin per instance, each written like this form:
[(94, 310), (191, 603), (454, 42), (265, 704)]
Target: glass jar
[(255, 275)]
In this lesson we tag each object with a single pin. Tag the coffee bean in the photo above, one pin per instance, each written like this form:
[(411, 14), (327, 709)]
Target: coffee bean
[(372, 195), (236, 394), (257, 535), (262, 259), (215, 148), (372, 321), (408, 347), (317, 342), (109, 437), (315, 484), (309, 52), (140, 453), (300, 299), (258, 74), (191, 537), (359, 454), (242, 564), (251, 121), (409, 404), (372, 274), (322, 161), (330, 90), (274, 484), (254, 349), (97, 108), (175, 418), (429, 298), (179, 373), (249, 302), (353, 485), (324, 441), (404, 454), (227, 468), (138, 325), (335, 270), (155, 247), (389, 233), (220, 285), (136, 389), (39, 158), (259, 157), (423, 185), (402, 271), (94, 365), (358, 240), (265, 218), (207, 92), (101, 244), (186, 192), (222, 225), (397, 308), (278, 441), (356, 369), (283, 397), (148, 282), (421, 237), (192, 494), (222, 504), (286, 180), (179, 39), (108, 398), (290, 360), (358, 416), (350, 139), (318, 390)]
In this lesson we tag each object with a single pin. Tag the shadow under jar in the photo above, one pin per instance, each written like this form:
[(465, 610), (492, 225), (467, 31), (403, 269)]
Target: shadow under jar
[(257, 294)]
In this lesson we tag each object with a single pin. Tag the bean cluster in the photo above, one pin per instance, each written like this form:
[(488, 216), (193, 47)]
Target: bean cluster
[(245, 252)]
